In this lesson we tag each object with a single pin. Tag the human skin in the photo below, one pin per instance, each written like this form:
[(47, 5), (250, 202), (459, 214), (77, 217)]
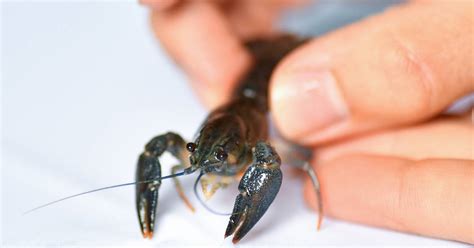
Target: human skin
[(368, 98)]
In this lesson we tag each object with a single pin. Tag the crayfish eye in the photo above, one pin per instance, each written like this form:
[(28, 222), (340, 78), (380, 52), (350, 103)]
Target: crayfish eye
[(221, 155), (191, 147)]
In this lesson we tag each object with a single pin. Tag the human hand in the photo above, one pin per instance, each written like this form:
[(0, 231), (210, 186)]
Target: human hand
[(205, 38), (365, 97), (384, 76)]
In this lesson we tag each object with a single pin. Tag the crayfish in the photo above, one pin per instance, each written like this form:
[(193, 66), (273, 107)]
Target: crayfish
[(230, 144)]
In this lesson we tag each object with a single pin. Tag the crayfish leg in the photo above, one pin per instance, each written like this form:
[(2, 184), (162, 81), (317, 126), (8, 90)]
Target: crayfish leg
[(317, 189), (298, 157), (211, 183), (179, 188)]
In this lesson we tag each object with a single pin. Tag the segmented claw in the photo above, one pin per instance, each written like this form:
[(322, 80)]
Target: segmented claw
[(258, 188), (149, 168)]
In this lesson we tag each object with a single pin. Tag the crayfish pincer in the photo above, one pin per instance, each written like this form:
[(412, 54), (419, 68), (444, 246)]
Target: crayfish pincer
[(258, 187), (230, 145)]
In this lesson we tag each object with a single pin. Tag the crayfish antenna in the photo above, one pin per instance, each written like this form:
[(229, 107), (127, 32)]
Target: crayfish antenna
[(102, 189)]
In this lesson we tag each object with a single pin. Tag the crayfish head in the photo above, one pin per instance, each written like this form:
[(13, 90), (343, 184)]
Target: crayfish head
[(220, 145), (220, 157), (212, 160)]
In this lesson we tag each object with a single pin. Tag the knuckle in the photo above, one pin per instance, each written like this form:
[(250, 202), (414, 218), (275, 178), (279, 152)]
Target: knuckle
[(409, 72)]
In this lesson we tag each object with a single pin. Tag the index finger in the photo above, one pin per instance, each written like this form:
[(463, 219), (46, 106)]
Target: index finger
[(199, 38)]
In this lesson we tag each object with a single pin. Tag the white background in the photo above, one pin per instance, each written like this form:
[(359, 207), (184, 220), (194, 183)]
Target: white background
[(85, 85)]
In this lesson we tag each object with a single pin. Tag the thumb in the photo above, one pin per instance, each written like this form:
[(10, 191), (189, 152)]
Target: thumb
[(402, 66)]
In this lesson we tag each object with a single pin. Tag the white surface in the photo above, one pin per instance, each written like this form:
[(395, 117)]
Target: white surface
[(84, 87)]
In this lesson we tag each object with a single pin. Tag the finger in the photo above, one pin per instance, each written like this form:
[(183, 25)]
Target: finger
[(159, 4), (429, 197), (402, 66), (198, 37), (251, 19), (451, 138)]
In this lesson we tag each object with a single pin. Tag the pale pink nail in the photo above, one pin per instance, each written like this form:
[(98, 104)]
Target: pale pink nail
[(306, 101)]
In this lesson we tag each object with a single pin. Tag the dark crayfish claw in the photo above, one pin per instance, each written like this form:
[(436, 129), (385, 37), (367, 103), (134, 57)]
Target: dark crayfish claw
[(258, 188), (148, 168)]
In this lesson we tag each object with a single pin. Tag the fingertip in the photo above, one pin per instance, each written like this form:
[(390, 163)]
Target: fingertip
[(217, 77), (210, 97), (214, 81), (200, 40)]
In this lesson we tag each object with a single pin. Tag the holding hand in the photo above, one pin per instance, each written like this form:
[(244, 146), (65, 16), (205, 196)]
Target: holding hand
[(367, 97)]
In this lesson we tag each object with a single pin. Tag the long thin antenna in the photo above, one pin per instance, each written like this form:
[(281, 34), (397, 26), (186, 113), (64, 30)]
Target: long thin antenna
[(202, 202), (104, 188)]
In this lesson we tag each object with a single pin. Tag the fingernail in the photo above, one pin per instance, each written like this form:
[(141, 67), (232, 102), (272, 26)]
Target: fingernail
[(306, 101)]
